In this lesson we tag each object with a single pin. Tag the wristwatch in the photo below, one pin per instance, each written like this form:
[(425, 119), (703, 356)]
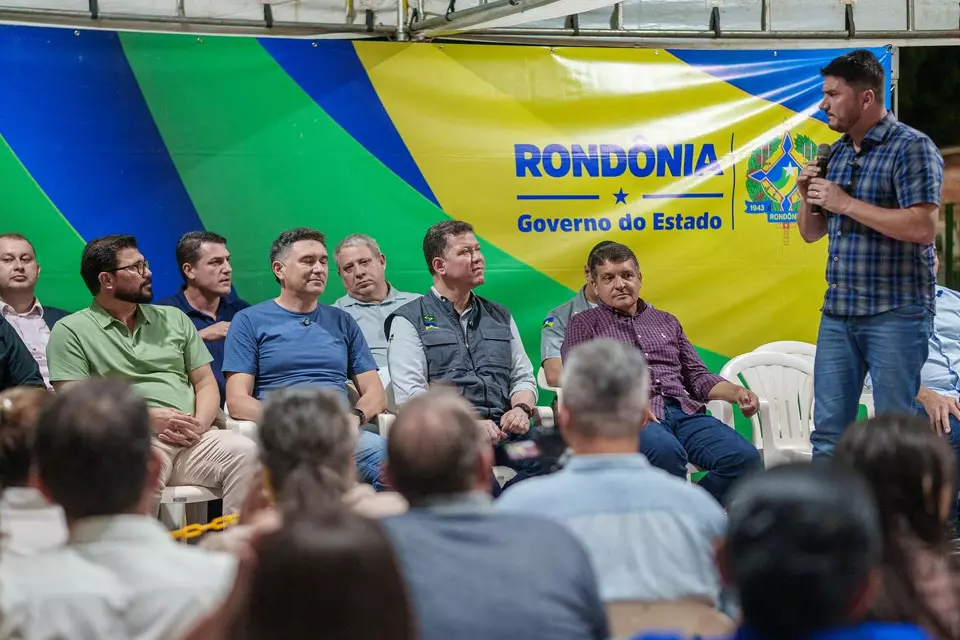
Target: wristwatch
[(524, 407), (360, 414)]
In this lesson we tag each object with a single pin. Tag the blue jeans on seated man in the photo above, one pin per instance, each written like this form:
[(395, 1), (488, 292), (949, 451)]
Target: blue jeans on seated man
[(954, 437), (703, 440), (369, 456), (891, 346)]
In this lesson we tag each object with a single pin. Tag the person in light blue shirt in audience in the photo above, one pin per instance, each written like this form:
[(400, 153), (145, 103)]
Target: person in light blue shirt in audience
[(650, 535), (294, 341), (803, 550)]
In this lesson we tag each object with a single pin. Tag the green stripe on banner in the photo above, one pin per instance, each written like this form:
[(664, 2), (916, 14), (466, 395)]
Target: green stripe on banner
[(258, 156), (27, 210)]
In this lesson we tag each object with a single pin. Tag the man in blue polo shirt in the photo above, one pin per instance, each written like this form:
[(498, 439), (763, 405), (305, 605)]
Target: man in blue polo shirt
[(206, 296), (294, 341)]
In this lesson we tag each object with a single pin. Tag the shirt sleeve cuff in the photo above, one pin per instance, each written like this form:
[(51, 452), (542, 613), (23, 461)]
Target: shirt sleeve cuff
[(525, 386), (704, 384)]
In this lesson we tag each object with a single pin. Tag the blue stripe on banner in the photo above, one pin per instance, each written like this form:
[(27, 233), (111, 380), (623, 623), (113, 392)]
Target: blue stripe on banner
[(71, 109), (762, 73), (557, 197), (673, 196), (331, 73)]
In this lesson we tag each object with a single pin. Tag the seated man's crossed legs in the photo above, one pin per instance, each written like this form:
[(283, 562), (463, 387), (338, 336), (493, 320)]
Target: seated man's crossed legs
[(221, 460), (703, 440)]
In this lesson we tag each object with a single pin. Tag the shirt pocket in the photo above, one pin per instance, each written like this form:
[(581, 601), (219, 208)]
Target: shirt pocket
[(497, 347), (442, 350)]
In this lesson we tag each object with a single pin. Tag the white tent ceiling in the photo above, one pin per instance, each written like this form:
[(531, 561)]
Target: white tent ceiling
[(744, 19)]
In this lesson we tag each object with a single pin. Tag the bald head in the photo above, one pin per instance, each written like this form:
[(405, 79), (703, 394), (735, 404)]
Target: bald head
[(435, 447)]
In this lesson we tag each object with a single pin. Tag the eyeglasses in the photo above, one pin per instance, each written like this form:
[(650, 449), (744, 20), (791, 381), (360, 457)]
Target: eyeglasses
[(140, 267)]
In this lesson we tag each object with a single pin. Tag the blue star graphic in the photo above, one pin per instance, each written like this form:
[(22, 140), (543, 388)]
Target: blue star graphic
[(621, 197)]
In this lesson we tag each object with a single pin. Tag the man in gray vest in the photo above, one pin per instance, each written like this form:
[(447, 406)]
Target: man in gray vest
[(453, 336)]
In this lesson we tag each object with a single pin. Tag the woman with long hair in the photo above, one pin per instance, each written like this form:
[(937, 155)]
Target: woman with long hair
[(912, 472)]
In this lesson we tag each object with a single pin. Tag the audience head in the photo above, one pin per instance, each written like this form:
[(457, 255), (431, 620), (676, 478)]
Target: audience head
[(453, 253), (435, 448), (19, 270), (586, 267), (616, 276), (853, 90), (362, 267), (19, 409), (92, 449), (803, 543), (113, 267), (912, 472), (299, 261), (204, 262), (327, 575), (606, 386), (307, 442)]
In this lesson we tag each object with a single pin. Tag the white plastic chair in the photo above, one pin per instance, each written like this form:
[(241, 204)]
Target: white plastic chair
[(809, 351), (175, 502), (543, 384), (784, 384)]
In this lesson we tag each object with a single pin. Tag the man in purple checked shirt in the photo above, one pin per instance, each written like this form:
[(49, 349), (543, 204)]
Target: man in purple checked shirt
[(680, 429)]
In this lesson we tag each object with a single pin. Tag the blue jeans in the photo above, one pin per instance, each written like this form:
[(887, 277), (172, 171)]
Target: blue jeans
[(369, 456), (703, 440), (891, 346), (954, 436)]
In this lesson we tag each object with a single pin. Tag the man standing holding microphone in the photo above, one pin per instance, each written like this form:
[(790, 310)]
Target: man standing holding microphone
[(878, 204)]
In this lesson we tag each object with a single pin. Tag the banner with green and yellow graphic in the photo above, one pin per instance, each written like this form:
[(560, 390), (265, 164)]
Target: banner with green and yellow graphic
[(688, 156)]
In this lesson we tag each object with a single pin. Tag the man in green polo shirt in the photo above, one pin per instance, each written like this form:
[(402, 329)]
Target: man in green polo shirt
[(158, 351)]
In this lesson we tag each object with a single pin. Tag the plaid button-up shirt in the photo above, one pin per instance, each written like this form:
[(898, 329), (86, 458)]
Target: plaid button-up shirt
[(867, 272), (676, 370)]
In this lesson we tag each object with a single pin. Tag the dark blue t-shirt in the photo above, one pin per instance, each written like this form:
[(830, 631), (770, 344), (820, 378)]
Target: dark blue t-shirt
[(229, 307), (282, 348)]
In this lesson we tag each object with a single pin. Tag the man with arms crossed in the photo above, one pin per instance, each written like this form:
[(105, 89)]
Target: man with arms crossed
[(294, 341), (206, 298), (681, 429), (370, 298), (157, 350), (878, 208)]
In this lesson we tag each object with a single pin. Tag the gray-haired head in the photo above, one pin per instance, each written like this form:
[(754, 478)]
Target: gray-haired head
[(605, 390), (357, 240), (306, 445)]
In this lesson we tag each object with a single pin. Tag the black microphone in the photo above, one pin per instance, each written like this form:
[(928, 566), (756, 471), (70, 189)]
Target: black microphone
[(823, 159)]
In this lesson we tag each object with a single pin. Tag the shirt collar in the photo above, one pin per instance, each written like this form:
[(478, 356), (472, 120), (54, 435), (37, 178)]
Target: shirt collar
[(473, 299), (35, 310), (602, 462), (119, 528), (469, 502), (641, 307), (105, 319), (24, 498), (877, 133), (350, 301)]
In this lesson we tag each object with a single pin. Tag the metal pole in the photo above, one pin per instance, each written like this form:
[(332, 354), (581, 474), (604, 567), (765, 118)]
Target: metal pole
[(948, 247), (766, 22), (703, 34), (459, 20), (618, 16), (402, 21), (911, 15)]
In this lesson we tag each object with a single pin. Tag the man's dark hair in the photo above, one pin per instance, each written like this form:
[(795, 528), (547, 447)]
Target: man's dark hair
[(92, 448), (434, 446), (281, 246), (860, 69), (610, 252), (802, 541), (101, 255), (188, 247), (435, 242)]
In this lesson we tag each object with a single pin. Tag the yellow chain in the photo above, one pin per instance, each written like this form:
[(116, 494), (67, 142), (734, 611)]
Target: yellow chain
[(192, 531)]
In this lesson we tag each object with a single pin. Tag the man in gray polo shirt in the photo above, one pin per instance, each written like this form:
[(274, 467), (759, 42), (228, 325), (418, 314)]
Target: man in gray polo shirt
[(370, 298), (649, 535), (555, 324)]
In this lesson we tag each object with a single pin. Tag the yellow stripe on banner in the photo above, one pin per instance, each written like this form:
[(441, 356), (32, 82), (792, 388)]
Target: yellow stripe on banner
[(461, 109)]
